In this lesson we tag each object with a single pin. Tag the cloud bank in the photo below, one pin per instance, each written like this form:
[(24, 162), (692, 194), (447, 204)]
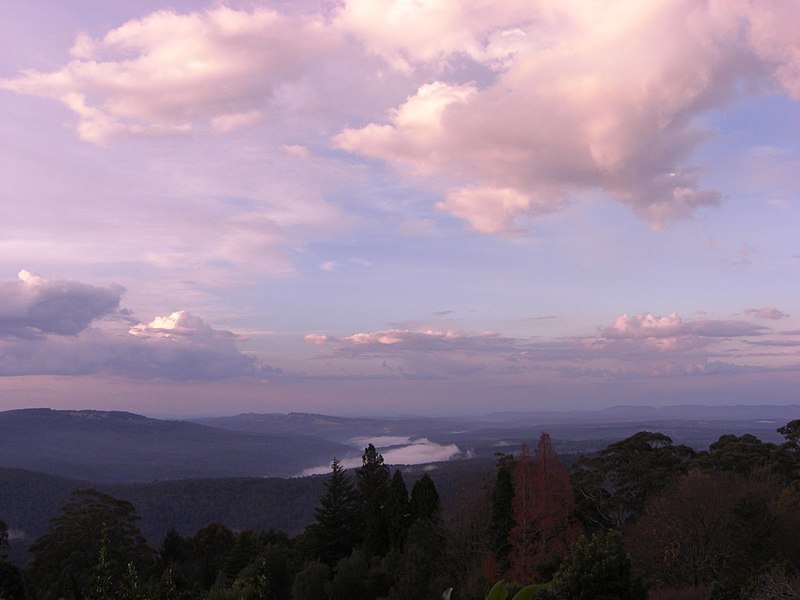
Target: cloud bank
[(633, 346), (70, 328), (57, 327)]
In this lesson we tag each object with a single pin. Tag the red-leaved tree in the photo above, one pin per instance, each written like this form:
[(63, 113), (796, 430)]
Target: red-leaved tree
[(544, 514)]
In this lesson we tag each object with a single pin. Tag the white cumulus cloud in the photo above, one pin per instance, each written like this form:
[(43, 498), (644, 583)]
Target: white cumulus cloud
[(603, 96), (168, 72)]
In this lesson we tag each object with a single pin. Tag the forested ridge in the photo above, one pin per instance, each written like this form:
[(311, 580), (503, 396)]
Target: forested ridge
[(30, 499), (113, 446), (643, 517)]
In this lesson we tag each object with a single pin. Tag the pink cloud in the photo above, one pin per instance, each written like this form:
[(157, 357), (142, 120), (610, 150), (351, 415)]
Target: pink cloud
[(415, 131), (601, 96), (634, 345), (296, 150), (316, 338), (179, 324), (167, 72), (510, 110), (644, 325), (766, 313), (405, 340), (408, 33), (647, 325)]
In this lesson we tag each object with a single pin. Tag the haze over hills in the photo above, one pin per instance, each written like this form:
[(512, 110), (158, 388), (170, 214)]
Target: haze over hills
[(124, 447), (121, 446), (572, 431)]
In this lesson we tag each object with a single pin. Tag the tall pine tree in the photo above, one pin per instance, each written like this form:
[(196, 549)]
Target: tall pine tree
[(502, 511), (398, 511), (422, 561), (373, 484), (337, 516)]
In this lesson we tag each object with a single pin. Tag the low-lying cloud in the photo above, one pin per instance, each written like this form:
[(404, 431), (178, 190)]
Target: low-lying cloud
[(57, 327), (769, 312), (422, 340), (641, 344), (647, 325), (396, 450)]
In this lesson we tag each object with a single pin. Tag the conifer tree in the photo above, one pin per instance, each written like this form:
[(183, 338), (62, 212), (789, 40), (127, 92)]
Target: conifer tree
[(3, 540), (311, 583), (398, 511), (373, 484), (425, 501), (423, 555), (131, 588), (502, 511), (167, 589), (101, 583), (11, 583), (337, 516)]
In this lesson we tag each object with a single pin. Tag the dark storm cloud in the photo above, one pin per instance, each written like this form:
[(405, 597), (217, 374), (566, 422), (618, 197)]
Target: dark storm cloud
[(55, 327), (32, 305)]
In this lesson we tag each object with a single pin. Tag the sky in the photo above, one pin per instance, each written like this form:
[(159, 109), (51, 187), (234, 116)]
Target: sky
[(398, 207)]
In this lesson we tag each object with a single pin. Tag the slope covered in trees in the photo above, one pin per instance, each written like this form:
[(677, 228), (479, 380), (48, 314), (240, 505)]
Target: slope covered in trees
[(107, 446), (642, 513)]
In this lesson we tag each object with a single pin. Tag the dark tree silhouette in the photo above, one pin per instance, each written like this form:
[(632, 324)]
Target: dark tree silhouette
[(424, 552), (11, 584), (598, 569), (65, 556), (398, 512), (209, 548), (337, 517), (373, 484), (612, 486), (683, 536), (3, 540), (738, 454), (503, 511), (425, 503)]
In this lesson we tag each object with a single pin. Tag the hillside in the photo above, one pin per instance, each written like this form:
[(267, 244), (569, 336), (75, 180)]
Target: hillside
[(28, 500), (124, 447)]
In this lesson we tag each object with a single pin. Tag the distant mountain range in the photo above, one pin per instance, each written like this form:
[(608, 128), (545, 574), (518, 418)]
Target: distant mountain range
[(108, 446), (121, 446)]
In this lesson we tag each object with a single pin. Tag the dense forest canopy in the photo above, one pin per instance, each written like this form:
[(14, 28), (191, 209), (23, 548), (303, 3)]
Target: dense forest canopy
[(641, 518)]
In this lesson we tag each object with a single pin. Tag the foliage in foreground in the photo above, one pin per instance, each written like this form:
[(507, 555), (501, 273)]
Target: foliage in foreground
[(715, 525)]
